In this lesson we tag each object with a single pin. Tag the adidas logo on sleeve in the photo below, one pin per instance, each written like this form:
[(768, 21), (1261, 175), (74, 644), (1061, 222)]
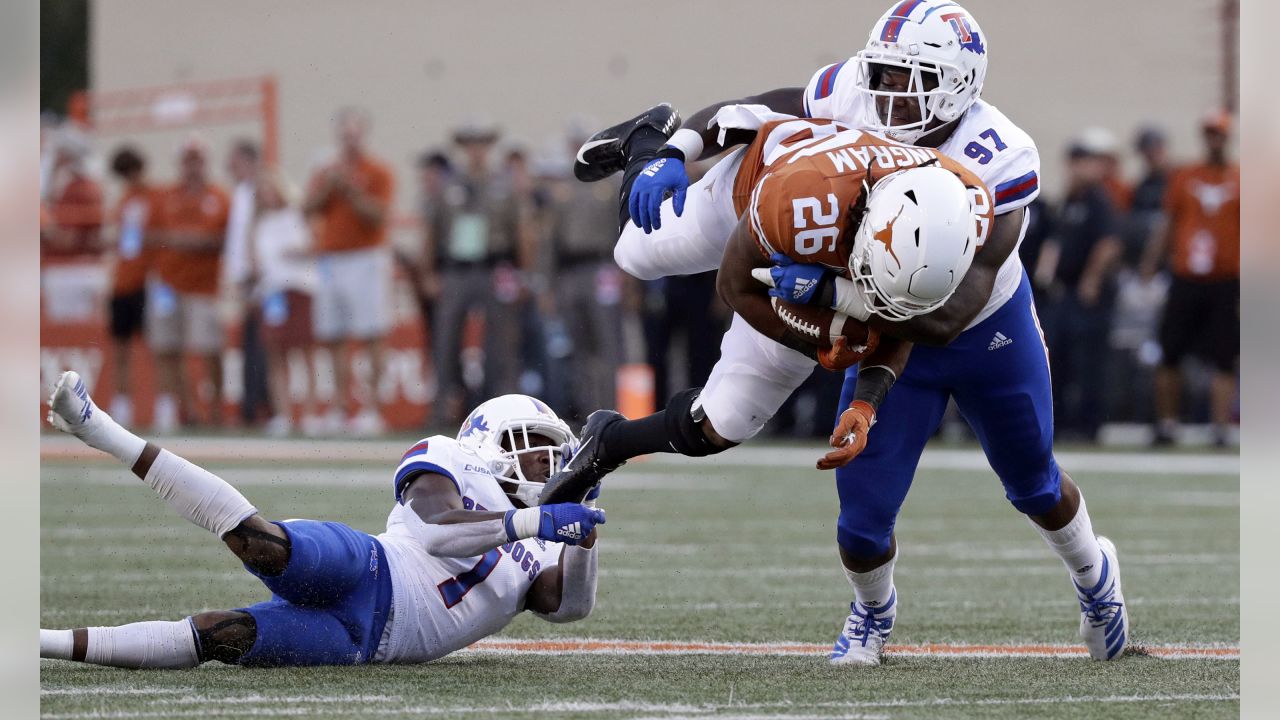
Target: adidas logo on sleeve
[(999, 341)]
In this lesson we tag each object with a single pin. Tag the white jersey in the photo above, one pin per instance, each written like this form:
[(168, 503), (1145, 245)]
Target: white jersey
[(985, 142), (442, 604)]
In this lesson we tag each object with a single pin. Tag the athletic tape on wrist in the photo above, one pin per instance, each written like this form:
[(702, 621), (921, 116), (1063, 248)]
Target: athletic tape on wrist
[(688, 142)]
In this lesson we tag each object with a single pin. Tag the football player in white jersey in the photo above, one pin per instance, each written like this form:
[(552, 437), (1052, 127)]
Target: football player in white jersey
[(918, 80), (466, 549)]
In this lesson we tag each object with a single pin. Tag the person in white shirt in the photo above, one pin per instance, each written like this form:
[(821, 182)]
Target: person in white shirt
[(244, 165), (282, 274)]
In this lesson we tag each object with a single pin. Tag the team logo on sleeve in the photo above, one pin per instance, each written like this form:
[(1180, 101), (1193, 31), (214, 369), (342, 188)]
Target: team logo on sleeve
[(969, 40)]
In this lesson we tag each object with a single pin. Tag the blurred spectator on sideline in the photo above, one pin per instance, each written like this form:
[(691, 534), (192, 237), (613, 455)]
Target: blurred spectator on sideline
[(1106, 146), (530, 204), (74, 199), (132, 219), (1147, 206), (182, 314), (434, 170), (1040, 227), (1200, 241), (243, 167), (1081, 258), (581, 228), (684, 309), (471, 236), (352, 197), (1133, 350), (283, 275)]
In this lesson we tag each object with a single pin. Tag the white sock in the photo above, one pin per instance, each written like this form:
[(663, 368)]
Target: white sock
[(1078, 547), (101, 432), (151, 644), (874, 588), (55, 644), (198, 495)]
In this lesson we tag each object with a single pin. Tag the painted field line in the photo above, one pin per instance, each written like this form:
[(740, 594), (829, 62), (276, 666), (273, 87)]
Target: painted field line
[(927, 650), (664, 711), (386, 452)]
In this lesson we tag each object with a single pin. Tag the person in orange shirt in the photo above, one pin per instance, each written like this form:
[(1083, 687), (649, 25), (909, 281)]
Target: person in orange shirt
[(1200, 241), (130, 220), (351, 200), (190, 229), (74, 221)]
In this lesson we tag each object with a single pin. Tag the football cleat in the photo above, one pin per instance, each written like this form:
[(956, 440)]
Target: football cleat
[(866, 631), (584, 470), (1104, 619), (605, 153), (71, 410)]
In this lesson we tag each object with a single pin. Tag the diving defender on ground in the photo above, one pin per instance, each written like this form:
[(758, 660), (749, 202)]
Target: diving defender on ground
[(466, 549), (917, 81)]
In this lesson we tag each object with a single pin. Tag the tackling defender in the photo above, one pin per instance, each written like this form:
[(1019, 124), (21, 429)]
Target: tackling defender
[(918, 81), (466, 549)]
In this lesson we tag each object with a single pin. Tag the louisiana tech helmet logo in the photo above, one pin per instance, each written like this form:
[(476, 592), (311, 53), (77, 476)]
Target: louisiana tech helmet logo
[(970, 39), (475, 423)]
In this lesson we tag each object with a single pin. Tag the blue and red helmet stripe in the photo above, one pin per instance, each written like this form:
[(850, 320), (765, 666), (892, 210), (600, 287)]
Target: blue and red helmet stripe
[(827, 81), (1017, 188), (897, 19)]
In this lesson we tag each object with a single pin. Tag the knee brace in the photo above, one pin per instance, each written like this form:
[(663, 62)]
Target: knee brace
[(684, 418)]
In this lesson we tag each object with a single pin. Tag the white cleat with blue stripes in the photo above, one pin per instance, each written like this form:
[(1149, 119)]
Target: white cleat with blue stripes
[(865, 633), (71, 410), (1104, 619)]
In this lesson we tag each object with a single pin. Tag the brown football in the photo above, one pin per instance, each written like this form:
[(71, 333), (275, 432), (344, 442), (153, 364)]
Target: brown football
[(821, 326)]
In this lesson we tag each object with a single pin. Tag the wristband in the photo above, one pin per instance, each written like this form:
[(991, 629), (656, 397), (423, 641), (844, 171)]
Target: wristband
[(850, 300), (873, 384), (521, 524), (688, 142)]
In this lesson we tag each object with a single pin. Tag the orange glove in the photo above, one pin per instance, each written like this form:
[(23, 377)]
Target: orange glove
[(840, 356), (850, 436)]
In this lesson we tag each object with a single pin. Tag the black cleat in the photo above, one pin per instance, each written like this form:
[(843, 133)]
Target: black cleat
[(605, 153), (585, 469)]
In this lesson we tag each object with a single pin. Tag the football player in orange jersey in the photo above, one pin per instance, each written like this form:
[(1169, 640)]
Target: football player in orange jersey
[(917, 80)]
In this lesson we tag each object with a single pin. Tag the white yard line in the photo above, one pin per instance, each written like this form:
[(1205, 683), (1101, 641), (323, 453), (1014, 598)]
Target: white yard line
[(663, 711), (383, 454)]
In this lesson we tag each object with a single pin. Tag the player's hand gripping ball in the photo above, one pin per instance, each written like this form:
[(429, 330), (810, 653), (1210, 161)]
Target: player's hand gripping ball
[(841, 340)]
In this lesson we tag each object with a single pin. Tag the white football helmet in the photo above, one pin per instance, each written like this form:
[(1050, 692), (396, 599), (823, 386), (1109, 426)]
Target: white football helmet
[(920, 37), (498, 432), (916, 242)]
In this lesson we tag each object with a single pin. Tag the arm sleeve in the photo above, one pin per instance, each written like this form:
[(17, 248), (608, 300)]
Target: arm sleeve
[(577, 584), (429, 455), (1016, 181), (459, 540)]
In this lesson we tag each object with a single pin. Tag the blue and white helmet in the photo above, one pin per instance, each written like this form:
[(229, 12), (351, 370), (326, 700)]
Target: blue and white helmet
[(498, 431), (923, 37)]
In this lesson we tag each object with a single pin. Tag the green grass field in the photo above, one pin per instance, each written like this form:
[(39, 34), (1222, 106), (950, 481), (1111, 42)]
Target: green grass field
[(705, 551)]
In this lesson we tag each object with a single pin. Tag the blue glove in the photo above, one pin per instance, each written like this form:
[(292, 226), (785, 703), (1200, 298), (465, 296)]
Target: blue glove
[(568, 523), (666, 174), (795, 282)]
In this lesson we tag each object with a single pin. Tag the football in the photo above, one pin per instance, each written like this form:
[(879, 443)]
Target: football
[(822, 325)]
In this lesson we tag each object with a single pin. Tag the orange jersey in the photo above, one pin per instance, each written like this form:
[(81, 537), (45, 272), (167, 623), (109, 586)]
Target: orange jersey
[(134, 216), (191, 271), (341, 227), (799, 178), (76, 213), (1203, 205)]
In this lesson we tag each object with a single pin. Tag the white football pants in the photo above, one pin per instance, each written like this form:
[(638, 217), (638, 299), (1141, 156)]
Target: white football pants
[(693, 242)]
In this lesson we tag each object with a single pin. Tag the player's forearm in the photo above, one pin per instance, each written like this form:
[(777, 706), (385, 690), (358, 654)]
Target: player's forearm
[(783, 100), (468, 533), (946, 323), (755, 308), (578, 569)]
